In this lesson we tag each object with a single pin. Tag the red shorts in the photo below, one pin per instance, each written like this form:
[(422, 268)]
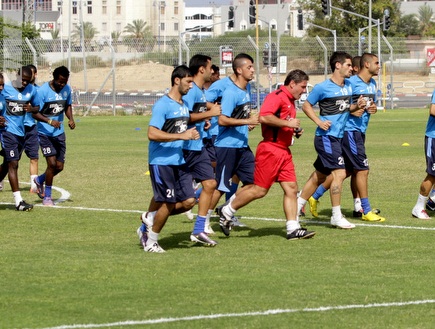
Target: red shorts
[(273, 163)]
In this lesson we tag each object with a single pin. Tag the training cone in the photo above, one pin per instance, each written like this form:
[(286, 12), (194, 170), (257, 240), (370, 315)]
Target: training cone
[(405, 144), (147, 173)]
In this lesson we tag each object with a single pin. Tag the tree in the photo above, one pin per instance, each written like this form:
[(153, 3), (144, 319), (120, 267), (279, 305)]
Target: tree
[(139, 35), (408, 25), (89, 32), (425, 14)]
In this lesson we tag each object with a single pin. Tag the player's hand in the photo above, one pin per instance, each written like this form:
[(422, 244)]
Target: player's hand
[(55, 124), (2, 121), (361, 102), (71, 124), (298, 132), (192, 133), (294, 123), (28, 108), (215, 110), (207, 124), (324, 125), (358, 113), (253, 120), (372, 109)]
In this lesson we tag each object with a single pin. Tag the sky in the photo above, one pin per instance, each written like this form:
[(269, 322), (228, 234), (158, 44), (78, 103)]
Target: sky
[(200, 3)]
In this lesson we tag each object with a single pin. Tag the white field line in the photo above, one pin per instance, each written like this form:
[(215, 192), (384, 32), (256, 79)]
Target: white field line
[(244, 314)]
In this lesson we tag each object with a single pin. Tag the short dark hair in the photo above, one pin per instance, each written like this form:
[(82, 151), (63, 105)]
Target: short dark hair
[(181, 71), (61, 71), (366, 58), (238, 60), (338, 57), (197, 61), (33, 68), (215, 68), (297, 76), (356, 61)]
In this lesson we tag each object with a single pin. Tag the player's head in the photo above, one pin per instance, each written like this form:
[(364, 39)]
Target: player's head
[(35, 73), (201, 63), (356, 64), (243, 65), (182, 79), (24, 77), (370, 62), (216, 74), (296, 83), (60, 77), (338, 57), (2, 82)]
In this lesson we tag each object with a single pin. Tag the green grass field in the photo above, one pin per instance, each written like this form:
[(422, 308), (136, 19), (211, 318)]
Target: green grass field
[(79, 264)]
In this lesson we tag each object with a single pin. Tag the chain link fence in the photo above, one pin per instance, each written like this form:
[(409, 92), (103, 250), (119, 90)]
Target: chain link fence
[(308, 54)]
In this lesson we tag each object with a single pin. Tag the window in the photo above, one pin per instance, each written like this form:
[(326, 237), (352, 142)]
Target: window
[(89, 5), (104, 27), (162, 26), (176, 26), (118, 27), (118, 7), (175, 7)]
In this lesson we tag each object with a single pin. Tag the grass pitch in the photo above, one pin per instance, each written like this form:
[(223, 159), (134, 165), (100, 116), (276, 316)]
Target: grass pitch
[(79, 264)]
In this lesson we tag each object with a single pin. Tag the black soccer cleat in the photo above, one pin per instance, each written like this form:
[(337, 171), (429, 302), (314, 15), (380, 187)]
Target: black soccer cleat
[(24, 206)]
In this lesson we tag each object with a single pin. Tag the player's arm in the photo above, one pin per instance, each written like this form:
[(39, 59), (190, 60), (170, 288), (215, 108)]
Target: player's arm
[(225, 121), (157, 135), (274, 121), (309, 112), (357, 109), (69, 115), (432, 109)]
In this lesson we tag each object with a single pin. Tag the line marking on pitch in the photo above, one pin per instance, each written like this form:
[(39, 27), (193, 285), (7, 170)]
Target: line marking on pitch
[(245, 314)]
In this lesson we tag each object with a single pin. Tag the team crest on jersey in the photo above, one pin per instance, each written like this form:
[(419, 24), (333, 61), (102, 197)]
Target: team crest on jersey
[(56, 108), (65, 94), (182, 126), (342, 104)]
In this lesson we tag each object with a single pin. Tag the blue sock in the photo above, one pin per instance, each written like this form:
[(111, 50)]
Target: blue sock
[(365, 204), (198, 193), (319, 192), (41, 179), (199, 225), (233, 190), (47, 191), (143, 228)]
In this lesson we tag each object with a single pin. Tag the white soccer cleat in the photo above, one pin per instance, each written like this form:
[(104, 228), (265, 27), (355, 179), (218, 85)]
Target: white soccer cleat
[(189, 214), (420, 213), (342, 223)]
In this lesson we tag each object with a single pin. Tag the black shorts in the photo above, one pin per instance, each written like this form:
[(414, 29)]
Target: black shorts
[(171, 184), (53, 146), (31, 142), (329, 154), (209, 146), (13, 146), (354, 151), (199, 164), (429, 150), (234, 161)]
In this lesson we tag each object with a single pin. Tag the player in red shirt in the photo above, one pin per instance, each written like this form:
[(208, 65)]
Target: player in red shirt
[(273, 160)]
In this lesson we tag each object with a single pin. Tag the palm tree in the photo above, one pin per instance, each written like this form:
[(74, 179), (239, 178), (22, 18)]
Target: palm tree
[(89, 32), (139, 35), (425, 14)]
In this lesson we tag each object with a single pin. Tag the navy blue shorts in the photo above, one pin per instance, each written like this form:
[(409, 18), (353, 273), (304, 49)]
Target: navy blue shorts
[(354, 151), (171, 184), (31, 142), (13, 146), (234, 161), (53, 146), (429, 149), (199, 164), (209, 146), (329, 154)]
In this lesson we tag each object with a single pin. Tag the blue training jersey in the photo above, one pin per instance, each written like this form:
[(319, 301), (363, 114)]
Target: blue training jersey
[(196, 102), (334, 103), (2, 109), (236, 103), (29, 121), (15, 100), (171, 117), (53, 106), (214, 95), (430, 127), (368, 91)]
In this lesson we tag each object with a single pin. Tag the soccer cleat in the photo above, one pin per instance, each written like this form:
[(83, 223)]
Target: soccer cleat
[(203, 238), (1, 186), (47, 201), (342, 223), (237, 222), (430, 205), (39, 188), (300, 233), (225, 223), (358, 213), (154, 248), (376, 211), (420, 213), (313, 206), (147, 221), (24, 206), (372, 217), (208, 230)]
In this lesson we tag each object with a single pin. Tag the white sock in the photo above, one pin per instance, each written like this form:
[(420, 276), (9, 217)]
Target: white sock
[(32, 182), (292, 225), (336, 212), (152, 237), (228, 210), (432, 194), (421, 201), (301, 204), (17, 198), (207, 217), (357, 204)]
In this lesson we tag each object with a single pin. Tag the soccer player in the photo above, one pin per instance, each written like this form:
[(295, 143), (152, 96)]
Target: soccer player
[(428, 182), (234, 157), (21, 97), (354, 138), (4, 165), (31, 142), (196, 156), (55, 100), (273, 159), (170, 177), (335, 103)]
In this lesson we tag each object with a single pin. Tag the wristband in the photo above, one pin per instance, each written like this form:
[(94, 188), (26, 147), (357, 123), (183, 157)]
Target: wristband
[(50, 121)]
